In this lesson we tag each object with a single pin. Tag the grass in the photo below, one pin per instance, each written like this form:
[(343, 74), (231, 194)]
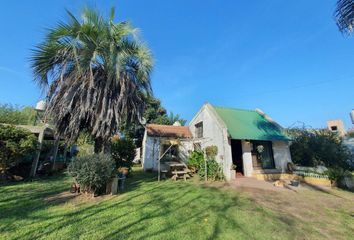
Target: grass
[(152, 210)]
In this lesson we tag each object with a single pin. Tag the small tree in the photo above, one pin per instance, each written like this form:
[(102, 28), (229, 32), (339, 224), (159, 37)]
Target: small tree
[(15, 144), (313, 147), (123, 152), (92, 172), (211, 169)]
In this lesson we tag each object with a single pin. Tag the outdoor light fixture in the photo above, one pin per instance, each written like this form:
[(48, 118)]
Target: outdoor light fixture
[(40, 107)]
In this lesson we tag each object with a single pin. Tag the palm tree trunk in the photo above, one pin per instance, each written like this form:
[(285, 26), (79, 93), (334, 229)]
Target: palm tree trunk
[(102, 146)]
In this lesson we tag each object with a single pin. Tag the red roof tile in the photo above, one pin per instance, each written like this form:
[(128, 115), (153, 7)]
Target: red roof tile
[(157, 130)]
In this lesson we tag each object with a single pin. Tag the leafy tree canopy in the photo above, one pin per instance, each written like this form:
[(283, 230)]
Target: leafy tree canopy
[(96, 73), (16, 115), (15, 144), (312, 147)]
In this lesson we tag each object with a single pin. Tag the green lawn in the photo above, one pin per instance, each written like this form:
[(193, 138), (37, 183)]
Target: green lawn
[(150, 210)]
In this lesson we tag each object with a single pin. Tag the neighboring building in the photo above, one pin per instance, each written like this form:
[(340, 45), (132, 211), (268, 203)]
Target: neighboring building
[(249, 139), (336, 126), (161, 138)]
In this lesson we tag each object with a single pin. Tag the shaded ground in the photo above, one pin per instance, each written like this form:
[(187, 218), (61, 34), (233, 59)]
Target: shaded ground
[(172, 210)]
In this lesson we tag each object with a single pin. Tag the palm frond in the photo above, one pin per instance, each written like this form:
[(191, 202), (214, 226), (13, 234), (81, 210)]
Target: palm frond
[(97, 74), (344, 15)]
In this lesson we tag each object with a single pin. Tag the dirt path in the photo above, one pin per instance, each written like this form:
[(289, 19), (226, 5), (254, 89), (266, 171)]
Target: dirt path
[(322, 210)]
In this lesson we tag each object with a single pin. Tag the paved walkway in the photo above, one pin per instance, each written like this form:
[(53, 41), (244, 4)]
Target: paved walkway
[(250, 182)]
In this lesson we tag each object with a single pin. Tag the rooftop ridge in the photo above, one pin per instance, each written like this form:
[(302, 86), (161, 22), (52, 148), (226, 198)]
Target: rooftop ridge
[(233, 108)]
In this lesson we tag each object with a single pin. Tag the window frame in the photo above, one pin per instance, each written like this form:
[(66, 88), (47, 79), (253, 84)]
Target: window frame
[(199, 129)]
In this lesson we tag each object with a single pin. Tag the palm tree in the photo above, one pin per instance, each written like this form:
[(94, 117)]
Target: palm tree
[(96, 74), (344, 15)]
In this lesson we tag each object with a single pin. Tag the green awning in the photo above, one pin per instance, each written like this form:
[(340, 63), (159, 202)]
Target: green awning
[(250, 125)]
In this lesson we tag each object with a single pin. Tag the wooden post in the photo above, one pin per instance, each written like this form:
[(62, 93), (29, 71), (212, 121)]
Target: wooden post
[(36, 160), (55, 152), (206, 169), (158, 164), (159, 170)]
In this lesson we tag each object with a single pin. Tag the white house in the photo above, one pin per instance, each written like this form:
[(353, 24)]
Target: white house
[(248, 139)]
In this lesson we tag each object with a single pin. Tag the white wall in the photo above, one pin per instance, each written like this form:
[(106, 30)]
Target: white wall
[(151, 152), (184, 149), (214, 133), (247, 158), (282, 155)]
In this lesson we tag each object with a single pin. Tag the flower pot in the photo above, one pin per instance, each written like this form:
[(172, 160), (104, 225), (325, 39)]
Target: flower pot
[(123, 170)]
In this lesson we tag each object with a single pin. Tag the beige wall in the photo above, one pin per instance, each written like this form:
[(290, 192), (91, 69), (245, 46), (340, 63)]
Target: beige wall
[(247, 158), (214, 133), (338, 124)]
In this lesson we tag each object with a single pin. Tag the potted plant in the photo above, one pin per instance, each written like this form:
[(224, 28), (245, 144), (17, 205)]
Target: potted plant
[(233, 171)]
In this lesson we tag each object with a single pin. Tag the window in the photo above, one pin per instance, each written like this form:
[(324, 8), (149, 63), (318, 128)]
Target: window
[(171, 154), (334, 128), (199, 130)]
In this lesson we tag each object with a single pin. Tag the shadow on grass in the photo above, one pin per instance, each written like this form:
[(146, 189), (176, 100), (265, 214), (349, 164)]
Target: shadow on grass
[(146, 209)]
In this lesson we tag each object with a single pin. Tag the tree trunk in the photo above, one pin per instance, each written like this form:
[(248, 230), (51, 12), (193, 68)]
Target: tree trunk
[(102, 146), (36, 159), (98, 145)]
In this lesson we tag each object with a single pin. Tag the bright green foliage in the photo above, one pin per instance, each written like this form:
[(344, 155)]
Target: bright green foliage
[(196, 160), (123, 152), (92, 172), (319, 147), (15, 145), (214, 171), (85, 144), (15, 115)]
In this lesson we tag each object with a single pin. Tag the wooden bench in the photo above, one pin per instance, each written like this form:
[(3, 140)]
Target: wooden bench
[(180, 174)]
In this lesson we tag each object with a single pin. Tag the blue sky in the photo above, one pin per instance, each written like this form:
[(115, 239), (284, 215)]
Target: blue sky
[(285, 57)]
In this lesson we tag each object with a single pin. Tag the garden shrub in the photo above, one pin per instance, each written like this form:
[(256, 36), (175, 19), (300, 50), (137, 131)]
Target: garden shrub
[(195, 160), (312, 148), (211, 152), (214, 171), (85, 144), (16, 144), (92, 172), (123, 152), (17, 115)]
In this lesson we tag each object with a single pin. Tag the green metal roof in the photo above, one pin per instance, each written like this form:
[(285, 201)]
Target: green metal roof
[(249, 124)]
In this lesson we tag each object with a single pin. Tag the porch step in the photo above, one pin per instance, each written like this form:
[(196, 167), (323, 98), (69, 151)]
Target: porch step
[(239, 175)]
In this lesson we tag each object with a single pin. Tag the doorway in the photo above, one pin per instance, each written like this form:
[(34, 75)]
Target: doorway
[(236, 150)]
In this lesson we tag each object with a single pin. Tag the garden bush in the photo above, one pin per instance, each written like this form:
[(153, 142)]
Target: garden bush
[(85, 144), (123, 152), (92, 172), (195, 160), (214, 171), (311, 148), (16, 144)]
